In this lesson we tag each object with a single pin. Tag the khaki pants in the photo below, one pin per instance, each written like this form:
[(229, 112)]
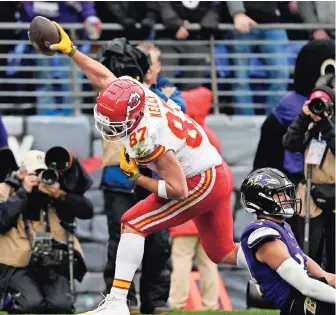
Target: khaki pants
[(184, 248)]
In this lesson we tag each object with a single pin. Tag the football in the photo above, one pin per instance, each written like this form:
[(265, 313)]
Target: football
[(42, 34)]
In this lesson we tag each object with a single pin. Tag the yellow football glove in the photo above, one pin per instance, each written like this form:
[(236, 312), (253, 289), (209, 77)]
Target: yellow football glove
[(129, 166), (65, 45)]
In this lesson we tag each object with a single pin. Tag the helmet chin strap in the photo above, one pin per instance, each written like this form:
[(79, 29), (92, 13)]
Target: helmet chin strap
[(288, 214), (284, 214)]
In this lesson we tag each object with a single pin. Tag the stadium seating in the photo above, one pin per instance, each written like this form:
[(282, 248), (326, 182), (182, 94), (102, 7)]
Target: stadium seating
[(96, 197), (74, 134)]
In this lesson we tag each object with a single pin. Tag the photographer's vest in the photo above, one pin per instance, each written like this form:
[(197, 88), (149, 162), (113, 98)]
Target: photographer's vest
[(15, 248), (320, 175)]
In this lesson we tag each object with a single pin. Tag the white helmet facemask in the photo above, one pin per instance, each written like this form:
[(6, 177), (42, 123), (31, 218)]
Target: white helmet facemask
[(112, 131)]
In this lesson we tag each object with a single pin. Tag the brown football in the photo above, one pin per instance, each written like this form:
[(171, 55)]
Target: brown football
[(42, 34)]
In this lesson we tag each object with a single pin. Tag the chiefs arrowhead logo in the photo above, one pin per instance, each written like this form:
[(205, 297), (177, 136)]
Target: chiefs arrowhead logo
[(133, 101)]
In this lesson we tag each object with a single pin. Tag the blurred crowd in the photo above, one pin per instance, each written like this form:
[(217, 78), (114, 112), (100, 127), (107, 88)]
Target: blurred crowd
[(186, 64)]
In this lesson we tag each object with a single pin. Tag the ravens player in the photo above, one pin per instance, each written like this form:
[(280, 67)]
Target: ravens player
[(283, 274)]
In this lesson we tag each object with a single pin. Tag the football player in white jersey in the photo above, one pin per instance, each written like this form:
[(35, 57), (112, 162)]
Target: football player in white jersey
[(196, 183)]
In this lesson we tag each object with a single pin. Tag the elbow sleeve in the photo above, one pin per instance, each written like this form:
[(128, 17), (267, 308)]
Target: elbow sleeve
[(297, 277)]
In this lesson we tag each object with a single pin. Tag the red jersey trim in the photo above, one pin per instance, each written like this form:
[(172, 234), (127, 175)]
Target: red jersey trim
[(160, 150)]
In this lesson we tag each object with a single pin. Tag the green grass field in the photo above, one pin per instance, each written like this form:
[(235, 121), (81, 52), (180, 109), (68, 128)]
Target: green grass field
[(236, 312)]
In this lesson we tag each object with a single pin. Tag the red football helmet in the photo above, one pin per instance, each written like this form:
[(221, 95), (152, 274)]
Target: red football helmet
[(119, 108)]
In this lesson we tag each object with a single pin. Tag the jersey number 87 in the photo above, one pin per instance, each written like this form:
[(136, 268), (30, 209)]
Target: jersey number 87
[(184, 128)]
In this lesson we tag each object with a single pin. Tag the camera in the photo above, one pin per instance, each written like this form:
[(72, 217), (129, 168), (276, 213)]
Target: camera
[(322, 100), (41, 249), (48, 177), (319, 105), (44, 254), (63, 167), (58, 161)]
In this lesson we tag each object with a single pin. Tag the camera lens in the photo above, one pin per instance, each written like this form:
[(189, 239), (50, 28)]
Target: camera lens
[(48, 177), (317, 106), (58, 159)]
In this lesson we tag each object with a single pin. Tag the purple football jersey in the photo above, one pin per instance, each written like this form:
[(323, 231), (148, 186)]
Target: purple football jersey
[(272, 287)]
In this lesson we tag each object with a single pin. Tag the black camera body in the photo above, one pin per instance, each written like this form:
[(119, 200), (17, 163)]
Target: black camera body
[(322, 100), (43, 254), (320, 105), (54, 257), (49, 254), (66, 169)]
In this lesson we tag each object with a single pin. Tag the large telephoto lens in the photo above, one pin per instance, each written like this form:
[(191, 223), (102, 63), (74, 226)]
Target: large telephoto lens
[(58, 159)]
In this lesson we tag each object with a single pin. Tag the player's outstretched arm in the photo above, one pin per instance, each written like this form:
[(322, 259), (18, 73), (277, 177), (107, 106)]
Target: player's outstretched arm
[(275, 254), (98, 74)]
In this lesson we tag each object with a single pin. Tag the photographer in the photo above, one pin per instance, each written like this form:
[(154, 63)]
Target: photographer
[(313, 134), (34, 211)]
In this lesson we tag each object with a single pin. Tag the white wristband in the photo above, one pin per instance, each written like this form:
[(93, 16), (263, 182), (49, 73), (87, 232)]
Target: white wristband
[(162, 191)]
